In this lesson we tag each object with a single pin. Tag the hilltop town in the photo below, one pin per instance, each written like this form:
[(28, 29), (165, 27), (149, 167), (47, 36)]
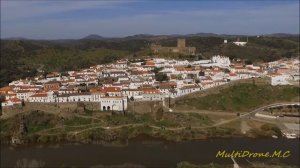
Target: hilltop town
[(160, 84), (154, 79)]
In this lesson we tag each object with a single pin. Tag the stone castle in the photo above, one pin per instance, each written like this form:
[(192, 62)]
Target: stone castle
[(181, 48)]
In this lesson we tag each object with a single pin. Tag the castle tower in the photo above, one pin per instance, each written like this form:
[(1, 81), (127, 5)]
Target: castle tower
[(181, 43)]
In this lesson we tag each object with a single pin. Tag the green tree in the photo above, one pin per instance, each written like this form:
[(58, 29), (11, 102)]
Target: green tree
[(161, 77)]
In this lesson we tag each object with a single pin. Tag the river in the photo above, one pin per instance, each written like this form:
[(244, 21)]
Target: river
[(152, 153)]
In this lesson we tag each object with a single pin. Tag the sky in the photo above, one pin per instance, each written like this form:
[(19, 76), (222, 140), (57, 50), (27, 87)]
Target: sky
[(73, 19)]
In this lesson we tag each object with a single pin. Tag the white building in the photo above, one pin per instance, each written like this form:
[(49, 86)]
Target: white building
[(45, 97), (24, 95), (221, 61), (131, 92), (153, 97), (11, 102), (280, 80), (114, 103), (240, 43)]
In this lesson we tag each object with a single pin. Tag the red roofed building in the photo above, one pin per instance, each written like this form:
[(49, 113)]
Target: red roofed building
[(150, 63), (42, 97), (150, 91), (52, 86), (111, 91), (28, 87), (152, 94), (6, 90), (11, 102)]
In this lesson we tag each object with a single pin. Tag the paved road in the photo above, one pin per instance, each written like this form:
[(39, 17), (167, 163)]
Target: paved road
[(252, 113), (222, 113), (278, 122)]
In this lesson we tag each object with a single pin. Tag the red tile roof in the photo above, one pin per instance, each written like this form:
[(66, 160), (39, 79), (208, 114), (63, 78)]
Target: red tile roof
[(6, 89), (40, 95), (111, 89), (150, 90)]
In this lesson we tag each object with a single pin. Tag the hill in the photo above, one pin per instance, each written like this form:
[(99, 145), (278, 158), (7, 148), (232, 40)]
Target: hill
[(93, 37), (21, 58)]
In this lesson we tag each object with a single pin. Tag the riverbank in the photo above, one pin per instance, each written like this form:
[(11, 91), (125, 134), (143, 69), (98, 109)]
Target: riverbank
[(41, 128)]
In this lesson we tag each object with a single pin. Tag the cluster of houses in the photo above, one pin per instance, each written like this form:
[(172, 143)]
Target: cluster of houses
[(284, 72), (113, 85)]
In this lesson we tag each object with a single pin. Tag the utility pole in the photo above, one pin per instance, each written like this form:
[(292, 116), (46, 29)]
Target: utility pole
[(169, 101), (123, 106), (0, 105), (133, 107)]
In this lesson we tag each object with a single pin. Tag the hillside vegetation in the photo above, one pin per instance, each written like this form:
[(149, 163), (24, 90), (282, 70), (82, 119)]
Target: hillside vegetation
[(242, 97), (22, 58)]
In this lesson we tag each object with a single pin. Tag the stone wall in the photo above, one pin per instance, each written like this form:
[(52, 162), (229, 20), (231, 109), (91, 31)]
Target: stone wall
[(144, 106), (55, 108)]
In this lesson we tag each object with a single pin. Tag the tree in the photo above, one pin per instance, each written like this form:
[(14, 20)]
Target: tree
[(23, 103), (156, 69), (248, 62), (201, 73), (226, 70), (161, 77)]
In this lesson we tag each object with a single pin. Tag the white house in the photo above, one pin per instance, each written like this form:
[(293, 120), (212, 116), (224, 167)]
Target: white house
[(280, 80), (11, 102), (24, 94), (188, 89), (131, 92), (42, 97), (151, 94), (240, 43), (83, 96)]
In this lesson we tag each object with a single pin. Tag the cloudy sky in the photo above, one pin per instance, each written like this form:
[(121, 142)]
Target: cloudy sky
[(60, 19)]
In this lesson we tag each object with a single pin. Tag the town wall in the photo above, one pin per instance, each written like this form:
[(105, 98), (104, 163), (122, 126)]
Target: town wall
[(55, 108), (144, 106), (79, 107)]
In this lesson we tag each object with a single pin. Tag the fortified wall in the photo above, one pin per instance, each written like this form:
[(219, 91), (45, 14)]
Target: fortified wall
[(180, 48), (55, 108), (78, 107), (144, 106)]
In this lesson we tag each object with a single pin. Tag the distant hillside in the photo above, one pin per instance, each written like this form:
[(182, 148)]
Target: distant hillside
[(20, 58), (152, 36), (281, 35), (93, 37)]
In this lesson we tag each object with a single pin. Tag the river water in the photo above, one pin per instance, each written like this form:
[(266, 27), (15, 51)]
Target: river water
[(152, 153)]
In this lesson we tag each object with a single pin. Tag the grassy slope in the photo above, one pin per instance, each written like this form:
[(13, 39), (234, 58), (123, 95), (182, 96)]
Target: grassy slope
[(241, 97)]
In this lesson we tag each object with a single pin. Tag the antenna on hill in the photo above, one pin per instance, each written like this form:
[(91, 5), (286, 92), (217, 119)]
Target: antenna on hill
[(247, 39)]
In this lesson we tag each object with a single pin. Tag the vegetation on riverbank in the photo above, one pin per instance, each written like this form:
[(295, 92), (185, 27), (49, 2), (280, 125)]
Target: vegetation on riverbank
[(43, 128), (240, 98)]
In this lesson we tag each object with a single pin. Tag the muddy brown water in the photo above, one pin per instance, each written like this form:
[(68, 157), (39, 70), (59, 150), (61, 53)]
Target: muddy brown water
[(149, 153)]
